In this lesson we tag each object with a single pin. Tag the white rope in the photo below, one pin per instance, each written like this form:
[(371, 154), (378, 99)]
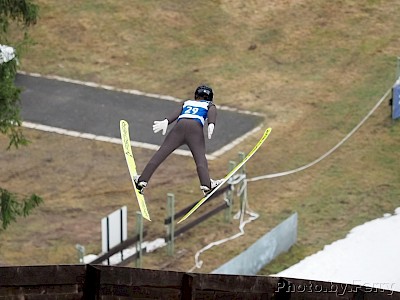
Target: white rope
[(252, 216), (268, 176), (235, 179), (242, 223)]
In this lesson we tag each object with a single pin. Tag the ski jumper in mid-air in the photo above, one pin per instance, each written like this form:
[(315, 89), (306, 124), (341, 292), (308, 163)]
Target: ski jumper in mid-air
[(190, 119)]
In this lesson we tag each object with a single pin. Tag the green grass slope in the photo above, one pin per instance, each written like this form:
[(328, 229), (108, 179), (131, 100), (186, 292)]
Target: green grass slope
[(314, 68)]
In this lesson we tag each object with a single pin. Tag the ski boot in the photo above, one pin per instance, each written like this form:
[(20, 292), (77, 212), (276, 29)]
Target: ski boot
[(140, 185), (214, 183)]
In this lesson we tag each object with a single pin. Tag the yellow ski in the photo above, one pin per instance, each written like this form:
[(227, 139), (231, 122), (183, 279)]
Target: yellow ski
[(126, 143), (230, 174)]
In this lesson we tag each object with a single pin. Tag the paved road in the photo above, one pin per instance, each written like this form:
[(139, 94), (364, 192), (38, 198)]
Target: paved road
[(95, 110)]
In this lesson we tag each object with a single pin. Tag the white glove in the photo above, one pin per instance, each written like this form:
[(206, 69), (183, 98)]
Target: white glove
[(160, 125), (210, 130)]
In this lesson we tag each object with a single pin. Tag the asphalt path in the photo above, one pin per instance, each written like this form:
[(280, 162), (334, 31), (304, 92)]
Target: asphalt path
[(95, 110)]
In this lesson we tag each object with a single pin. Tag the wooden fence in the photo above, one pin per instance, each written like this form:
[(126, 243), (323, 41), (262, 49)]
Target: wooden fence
[(226, 205), (119, 248), (94, 282), (173, 233)]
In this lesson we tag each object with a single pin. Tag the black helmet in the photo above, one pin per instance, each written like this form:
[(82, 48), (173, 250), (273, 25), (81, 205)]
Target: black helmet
[(205, 92)]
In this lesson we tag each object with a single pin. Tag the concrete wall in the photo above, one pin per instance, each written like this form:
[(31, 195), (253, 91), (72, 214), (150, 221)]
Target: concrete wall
[(252, 260)]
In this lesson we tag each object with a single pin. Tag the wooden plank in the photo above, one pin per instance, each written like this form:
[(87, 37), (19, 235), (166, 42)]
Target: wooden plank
[(315, 290), (139, 277), (197, 221), (139, 292), (120, 247), (140, 283), (91, 286), (187, 287), (188, 208), (236, 283), (36, 275)]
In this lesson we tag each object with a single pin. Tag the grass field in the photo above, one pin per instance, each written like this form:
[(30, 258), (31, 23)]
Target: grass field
[(313, 68)]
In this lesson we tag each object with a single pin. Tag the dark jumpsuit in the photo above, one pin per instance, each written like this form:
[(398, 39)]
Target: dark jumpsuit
[(187, 131)]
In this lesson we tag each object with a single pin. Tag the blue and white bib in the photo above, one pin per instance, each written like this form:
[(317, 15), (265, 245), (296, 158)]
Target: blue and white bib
[(197, 110)]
